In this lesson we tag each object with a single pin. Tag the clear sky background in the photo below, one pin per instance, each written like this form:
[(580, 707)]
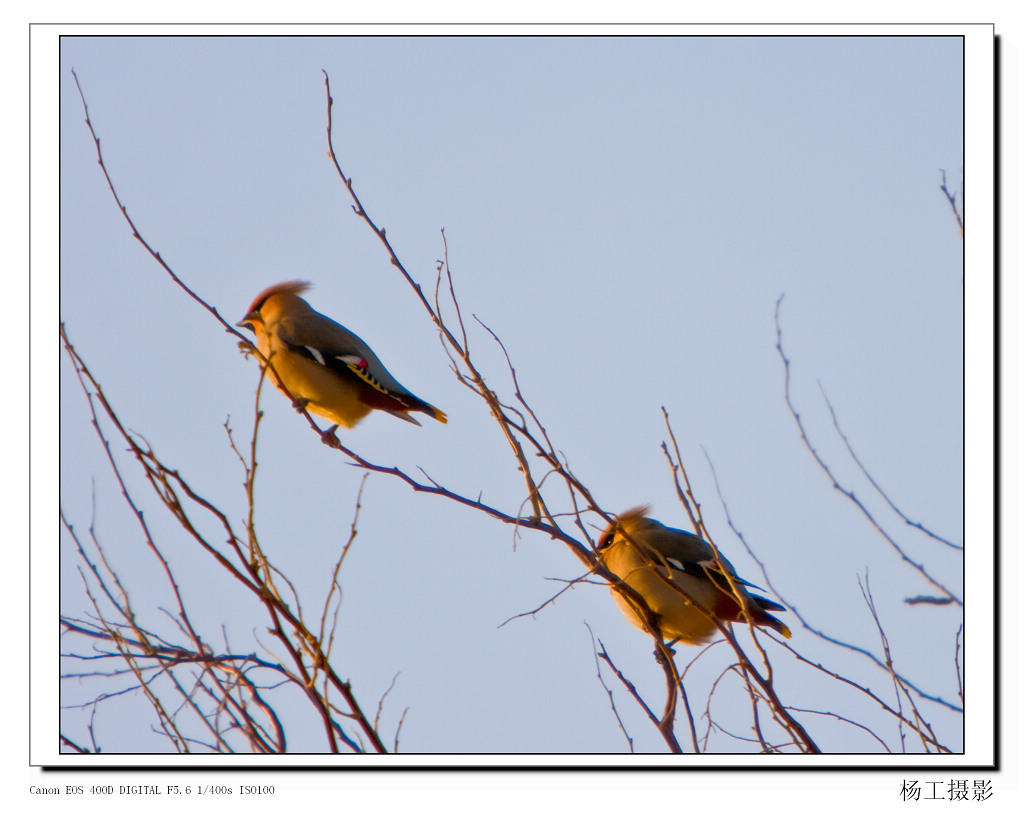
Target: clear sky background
[(624, 213)]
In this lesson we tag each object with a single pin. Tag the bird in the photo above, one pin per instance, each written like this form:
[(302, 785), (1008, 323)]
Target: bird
[(681, 579), (322, 365)]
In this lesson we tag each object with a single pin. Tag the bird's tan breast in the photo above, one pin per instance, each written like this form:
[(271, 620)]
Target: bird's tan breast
[(670, 595), (329, 394)]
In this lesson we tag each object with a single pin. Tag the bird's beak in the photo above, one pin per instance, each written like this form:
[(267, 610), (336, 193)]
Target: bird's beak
[(246, 323)]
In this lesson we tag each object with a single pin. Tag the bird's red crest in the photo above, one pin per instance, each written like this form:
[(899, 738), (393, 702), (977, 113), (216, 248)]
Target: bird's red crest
[(634, 514), (294, 287)]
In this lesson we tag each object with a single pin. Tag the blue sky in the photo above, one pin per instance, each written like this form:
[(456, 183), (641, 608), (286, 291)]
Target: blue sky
[(624, 213)]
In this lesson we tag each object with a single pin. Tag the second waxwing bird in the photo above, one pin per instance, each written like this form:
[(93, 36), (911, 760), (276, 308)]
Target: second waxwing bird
[(323, 365), (674, 569)]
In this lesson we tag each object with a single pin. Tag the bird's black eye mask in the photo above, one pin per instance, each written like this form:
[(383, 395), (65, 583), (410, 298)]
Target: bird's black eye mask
[(254, 313)]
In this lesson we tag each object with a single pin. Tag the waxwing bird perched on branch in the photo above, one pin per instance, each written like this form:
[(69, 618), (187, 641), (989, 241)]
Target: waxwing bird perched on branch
[(324, 366), (673, 569)]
